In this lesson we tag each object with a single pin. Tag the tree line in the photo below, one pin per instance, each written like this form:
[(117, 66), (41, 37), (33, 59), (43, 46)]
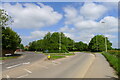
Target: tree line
[(58, 42), (51, 42)]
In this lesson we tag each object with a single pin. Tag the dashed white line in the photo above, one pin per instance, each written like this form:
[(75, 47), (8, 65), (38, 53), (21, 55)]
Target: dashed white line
[(26, 63), (22, 76), (28, 70), (14, 66), (17, 65)]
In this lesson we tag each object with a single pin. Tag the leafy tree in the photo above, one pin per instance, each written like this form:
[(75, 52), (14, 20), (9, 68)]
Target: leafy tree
[(33, 46), (97, 43), (69, 44), (80, 46), (10, 39), (40, 45), (21, 46), (55, 42), (5, 19)]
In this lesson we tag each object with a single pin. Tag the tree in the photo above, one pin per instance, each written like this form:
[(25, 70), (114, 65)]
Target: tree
[(40, 45), (80, 46), (5, 19), (10, 39), (54, 42), (21, 46), (33, 46), (97, 43)]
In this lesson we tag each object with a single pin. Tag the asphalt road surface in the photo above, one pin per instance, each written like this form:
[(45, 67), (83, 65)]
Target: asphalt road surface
[(81, 65), (25, 58)]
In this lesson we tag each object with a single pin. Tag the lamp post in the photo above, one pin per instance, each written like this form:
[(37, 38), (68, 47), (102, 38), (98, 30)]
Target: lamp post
[(60, 42), (105, 38)]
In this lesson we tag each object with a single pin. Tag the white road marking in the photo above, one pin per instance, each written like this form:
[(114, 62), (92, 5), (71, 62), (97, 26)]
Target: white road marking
[(7, 76), (26, 63), (56, 62), (14, 66), (22, 76), (17, 65), (28, 70)]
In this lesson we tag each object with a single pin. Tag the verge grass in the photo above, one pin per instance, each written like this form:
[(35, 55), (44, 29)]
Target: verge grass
[(113, 57), (56, 55), (5, 58)]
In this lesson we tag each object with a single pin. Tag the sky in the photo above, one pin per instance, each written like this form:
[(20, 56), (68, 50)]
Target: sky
[(80, 21)]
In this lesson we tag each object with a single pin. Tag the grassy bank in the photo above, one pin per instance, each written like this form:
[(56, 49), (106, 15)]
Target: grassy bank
[(56, 55), (113, 57), (5, 58)]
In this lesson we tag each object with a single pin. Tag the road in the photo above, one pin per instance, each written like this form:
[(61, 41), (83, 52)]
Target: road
[(25, 58), (81, 65)]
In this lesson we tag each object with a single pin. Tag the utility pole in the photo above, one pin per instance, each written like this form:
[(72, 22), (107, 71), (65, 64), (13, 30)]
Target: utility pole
[(60, 42), (105, 38)]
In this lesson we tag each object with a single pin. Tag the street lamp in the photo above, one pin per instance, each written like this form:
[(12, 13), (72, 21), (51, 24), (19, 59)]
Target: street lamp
[(105, 38), (60, 42)]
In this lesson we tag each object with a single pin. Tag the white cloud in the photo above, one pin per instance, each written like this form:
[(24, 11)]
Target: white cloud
[(84, 30), (35, 35), (110, 36), (92, 11), (67, 29), (88, 24), (78, 19), (72, 15), (32, 16)]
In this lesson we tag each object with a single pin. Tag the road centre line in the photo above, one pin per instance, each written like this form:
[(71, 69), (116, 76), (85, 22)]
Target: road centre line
[(28, 70)]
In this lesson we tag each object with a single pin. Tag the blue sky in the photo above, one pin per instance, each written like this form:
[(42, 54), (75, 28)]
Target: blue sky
[(78, 20)]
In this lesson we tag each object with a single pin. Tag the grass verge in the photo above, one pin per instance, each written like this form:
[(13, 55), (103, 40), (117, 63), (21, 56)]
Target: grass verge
[(54, 56), (113, 59), (5, 58)]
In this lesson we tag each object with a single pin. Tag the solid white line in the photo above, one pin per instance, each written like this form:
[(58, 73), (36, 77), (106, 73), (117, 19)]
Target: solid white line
[(26, 63), (22, 76), (14, 66), (28, 70)]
